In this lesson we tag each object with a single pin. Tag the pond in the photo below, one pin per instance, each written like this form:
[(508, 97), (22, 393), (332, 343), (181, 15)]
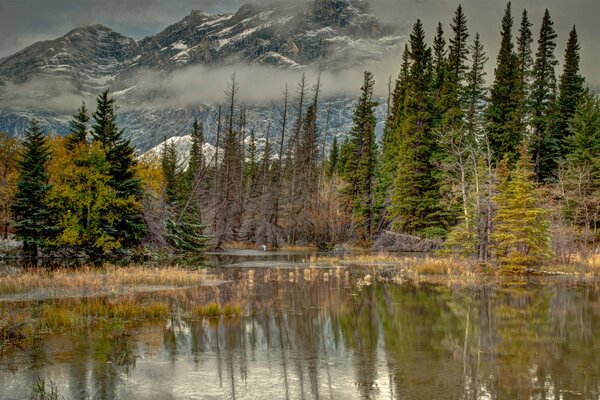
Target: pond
[(333, 333)]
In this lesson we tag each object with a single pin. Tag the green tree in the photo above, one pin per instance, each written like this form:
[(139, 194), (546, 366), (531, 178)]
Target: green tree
[(521, 227), (415, 206), (129, 228), (33, 219), (78, 128), (184, 229), (504, 132), (545, 147), (361, 163), (524, 65), (475, 92), (334, 157), (570, 92), (391, 135), (453, 91), (580, 177), (82, 199)]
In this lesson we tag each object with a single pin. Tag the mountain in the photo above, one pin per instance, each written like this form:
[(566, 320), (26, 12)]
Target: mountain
[(48, 79)]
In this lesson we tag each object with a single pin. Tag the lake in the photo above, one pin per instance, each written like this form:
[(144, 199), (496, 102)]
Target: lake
[(334, 333)]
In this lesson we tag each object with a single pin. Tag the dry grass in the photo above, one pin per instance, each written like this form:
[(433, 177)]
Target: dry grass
[(586, 266), (214, 310), (107, 277), (418, 265), (58, 316)]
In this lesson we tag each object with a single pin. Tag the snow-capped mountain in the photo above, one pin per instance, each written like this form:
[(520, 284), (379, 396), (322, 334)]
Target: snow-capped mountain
[(47, 78), (183, 145)]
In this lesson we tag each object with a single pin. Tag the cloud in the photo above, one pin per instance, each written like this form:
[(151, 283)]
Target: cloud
[(257, 84), (56, 95)]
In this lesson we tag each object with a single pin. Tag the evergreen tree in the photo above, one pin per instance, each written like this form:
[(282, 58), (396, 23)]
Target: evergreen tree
[(334, 157), (585, 140), (524, 65), (129, 227), (580, 181), (361, 163), (196, 163), (475, 92), (82, 199), (33, 219), (504, 131), (570, 92), (545, 147), (415, 198), (183, 225), (439, 57), (391, 134), (78, 128), (170, 169), (521, 227), (453, 91)]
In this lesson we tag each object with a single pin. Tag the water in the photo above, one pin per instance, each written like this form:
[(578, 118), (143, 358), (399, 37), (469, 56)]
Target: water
[(336, 334)]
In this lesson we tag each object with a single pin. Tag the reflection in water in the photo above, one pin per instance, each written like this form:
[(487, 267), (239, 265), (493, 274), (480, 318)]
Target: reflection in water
[(322, 334)]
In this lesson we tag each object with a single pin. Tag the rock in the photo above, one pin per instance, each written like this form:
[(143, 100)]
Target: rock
[(392, 241)]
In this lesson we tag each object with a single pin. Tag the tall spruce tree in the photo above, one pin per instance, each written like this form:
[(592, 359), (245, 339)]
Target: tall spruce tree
[(439, 58), (361, 163), (129, 227), (524, 65), (475, 92), (458, 51), (415, 196), (33, 220), (334, 157), (502, 124), (391, 134), (78, 128), (570, 91), (544, 146)]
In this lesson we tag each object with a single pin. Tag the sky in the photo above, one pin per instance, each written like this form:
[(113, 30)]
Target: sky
[(23, 22)]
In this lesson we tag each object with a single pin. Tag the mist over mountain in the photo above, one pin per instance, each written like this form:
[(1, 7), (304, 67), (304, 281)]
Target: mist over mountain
[(163, 82)]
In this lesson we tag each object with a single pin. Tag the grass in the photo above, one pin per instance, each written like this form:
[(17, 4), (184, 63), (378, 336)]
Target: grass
[(42, 391), (214, 310), (86, 313), (105, 277)]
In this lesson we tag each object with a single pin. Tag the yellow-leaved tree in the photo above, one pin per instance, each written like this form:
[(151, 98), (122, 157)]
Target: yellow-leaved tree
[(521, 233)]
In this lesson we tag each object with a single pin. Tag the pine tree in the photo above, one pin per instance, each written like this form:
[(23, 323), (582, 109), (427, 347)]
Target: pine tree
[(504, 132), (196, 163), (82, 199), (391, 134), (475, 92), (545, 147), (129, 227), (334, 156), (170, 169), (78, 128), (580, 180), (453, 88), (361, 163), (33, 219), (415, 196), (570, 92), (524, 65), (439, 61), (521, 227)]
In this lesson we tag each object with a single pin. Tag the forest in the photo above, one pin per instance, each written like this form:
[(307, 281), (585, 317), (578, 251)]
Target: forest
[(503, 170)]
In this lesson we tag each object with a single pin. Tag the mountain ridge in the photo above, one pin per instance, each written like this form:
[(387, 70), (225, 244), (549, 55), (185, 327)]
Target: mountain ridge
[(327, 35)]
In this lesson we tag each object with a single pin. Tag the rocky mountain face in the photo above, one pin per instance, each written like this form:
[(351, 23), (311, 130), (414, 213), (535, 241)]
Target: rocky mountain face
[(326, 34)]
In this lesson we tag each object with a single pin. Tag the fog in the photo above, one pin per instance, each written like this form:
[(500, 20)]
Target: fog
[(22, 22)]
